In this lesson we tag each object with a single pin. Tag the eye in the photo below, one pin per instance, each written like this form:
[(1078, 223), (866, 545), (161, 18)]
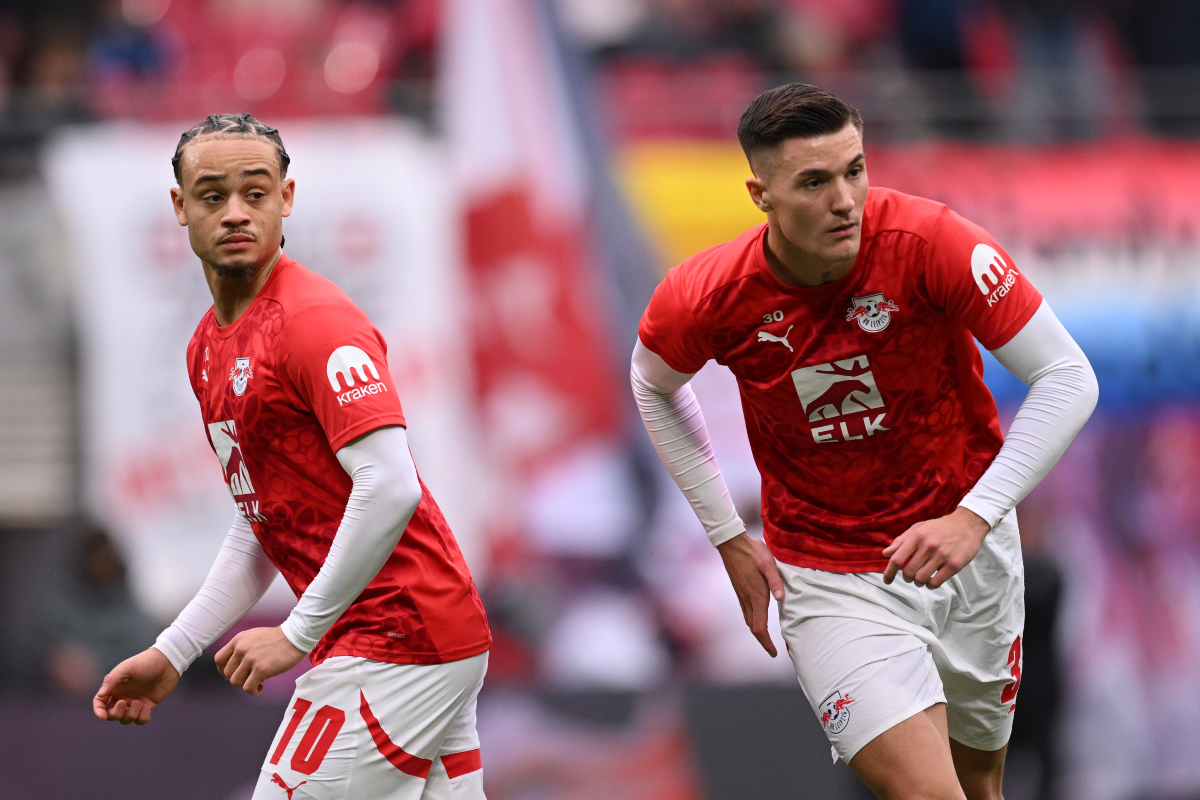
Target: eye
[(814, 183), (854, 173), (212, 198), (256, 195)]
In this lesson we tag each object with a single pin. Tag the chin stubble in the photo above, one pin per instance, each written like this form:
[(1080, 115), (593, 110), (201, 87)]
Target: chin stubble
[(241, 272)]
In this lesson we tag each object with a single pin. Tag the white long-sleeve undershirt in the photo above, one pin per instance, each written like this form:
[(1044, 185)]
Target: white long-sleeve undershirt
[(1062, 395), (385, 494), (676, 426)]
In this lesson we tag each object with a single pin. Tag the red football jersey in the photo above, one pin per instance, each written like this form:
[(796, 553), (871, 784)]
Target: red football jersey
[(297, 376), (864, 398)]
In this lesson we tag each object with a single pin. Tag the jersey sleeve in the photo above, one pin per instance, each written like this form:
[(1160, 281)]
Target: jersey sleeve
[(974, 279), (668, 327), (336, 363), (195, 364)]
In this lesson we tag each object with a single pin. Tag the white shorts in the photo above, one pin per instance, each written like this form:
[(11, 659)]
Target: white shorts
[(869, 655), (368, 730)]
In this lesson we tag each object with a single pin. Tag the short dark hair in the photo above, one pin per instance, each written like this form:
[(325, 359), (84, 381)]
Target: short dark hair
[(794, 110), (234, 125)]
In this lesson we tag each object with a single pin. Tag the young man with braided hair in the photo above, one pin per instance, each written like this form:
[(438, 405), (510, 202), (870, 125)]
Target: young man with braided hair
[(303, 415), (849, 321)]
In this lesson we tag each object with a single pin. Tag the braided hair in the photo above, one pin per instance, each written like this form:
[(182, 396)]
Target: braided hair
[(236, 125)]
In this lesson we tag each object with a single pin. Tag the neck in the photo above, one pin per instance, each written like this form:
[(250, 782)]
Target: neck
[(233, 295), (796, 267)]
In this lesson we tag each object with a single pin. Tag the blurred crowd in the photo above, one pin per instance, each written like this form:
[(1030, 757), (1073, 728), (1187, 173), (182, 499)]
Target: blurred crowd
[(963, 68)]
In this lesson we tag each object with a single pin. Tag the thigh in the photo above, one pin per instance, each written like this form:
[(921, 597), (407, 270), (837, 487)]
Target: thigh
[(911, 759), (457, 772), (979, 652), (409, 713), (861, 676), (315, 750)]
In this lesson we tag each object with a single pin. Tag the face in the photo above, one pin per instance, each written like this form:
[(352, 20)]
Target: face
[(233, 202), (813, 190)]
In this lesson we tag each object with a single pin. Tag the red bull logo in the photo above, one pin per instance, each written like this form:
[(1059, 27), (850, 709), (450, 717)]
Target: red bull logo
[(872, 312), (241, 374), (835, 712)]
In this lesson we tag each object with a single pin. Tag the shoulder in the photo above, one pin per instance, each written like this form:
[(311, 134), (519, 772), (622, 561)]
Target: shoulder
[(205, 324), (313, 307), (298, 289), (888, 210), (715, 268)]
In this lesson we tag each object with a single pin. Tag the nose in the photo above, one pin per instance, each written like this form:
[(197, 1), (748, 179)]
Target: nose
[(841, 199), (236, 213)]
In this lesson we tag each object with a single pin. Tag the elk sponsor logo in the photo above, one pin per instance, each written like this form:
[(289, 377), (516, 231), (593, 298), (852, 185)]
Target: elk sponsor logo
[(844, 391), (229, 451)]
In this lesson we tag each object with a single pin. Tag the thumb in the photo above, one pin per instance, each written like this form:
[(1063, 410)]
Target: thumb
[(774, 582)]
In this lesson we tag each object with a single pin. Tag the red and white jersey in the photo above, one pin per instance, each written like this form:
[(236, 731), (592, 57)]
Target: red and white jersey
[(300, 374), (864, 398)]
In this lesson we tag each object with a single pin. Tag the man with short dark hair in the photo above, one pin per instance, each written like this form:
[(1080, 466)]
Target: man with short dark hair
[(299, 406), (849, 321)]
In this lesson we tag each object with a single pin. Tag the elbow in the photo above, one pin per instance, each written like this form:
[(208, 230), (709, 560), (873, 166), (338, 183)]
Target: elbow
[(1091, 390), (405, 497)]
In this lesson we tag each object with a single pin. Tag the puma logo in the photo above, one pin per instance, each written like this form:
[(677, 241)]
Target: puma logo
[(289, 789), (764, 336)]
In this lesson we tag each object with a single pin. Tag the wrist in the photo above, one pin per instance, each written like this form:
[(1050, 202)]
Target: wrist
[(979, 526), (734, 542), (295, 638)]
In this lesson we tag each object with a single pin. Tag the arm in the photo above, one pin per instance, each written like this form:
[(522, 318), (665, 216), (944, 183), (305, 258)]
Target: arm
[(385, 495), (675, 423), (239, 576), (1062, 394), (672, 417)]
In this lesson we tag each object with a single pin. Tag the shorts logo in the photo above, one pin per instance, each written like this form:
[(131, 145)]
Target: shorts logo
[(241, 374), (343, 363), (277, 778), (988, 266), (835, 712), (873, 312)]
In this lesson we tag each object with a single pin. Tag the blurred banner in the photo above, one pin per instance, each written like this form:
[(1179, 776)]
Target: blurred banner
[(372, 213), (549, 392)]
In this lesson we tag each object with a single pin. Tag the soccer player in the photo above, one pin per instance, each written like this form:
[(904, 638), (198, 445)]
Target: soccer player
[(299, 407), (849, 320)]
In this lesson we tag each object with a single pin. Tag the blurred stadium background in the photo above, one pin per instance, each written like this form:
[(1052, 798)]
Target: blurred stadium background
[(500, 184)]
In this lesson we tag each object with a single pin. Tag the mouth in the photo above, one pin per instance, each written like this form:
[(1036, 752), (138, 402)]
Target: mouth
[(843, 230), (236, 241)]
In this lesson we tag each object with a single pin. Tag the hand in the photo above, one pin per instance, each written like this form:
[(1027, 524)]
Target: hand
[(943, 546), (255, 655), (134, 687), (755, 578)]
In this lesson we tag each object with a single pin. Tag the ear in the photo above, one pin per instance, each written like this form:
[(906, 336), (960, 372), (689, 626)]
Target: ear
[(758, 193), (177, 201), (289, 194)]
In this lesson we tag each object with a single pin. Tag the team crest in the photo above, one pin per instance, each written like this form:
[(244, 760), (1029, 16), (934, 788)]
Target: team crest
[(835, 712), (241, 374), (873, 312)]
